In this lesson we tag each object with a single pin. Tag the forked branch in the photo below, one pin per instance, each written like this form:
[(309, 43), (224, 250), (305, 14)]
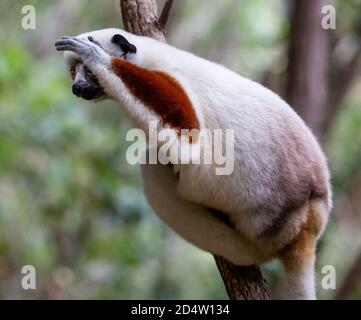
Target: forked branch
[(163, 19)]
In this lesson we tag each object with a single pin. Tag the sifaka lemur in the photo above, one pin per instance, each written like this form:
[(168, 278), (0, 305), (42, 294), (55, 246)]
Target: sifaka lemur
[(277, 200)]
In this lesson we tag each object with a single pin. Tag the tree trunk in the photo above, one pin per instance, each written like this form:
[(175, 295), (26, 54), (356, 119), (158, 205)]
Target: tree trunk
[(317, 80), (308, 63), (140, 17)]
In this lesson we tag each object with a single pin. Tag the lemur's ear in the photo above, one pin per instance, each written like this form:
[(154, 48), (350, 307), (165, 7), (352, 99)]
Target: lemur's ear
[(124, 44)]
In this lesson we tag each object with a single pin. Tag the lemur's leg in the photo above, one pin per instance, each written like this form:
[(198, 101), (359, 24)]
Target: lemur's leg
[(300, 255), (299, 261), (299, 265), (193, 222)]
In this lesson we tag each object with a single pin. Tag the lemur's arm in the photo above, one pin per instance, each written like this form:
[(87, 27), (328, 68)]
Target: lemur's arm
[(146, 94)]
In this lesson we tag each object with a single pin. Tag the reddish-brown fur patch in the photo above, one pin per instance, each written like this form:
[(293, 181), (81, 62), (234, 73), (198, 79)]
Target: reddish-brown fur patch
[(160, 92)]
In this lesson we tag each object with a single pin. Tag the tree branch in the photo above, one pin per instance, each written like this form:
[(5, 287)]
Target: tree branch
[(242, 283), (165, 14), (341, 81), (140, 17)]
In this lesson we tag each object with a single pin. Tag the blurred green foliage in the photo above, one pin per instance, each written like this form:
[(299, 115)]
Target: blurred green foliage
[(69, 201), (70, 204)]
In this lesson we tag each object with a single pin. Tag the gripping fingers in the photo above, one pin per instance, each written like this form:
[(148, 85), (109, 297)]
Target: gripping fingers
[(91, 39), (88, 49), (70, 44)]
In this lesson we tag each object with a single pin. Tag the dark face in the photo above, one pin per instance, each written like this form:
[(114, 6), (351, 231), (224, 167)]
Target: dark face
[(85, 84)]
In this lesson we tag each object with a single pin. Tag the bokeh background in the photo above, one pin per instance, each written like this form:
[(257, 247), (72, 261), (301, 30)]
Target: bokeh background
[(72, 207)]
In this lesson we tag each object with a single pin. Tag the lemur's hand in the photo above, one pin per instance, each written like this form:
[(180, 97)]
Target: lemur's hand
[(89, 50)]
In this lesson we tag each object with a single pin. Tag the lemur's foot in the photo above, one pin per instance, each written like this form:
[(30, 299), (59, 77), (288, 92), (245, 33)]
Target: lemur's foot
[(89, 50)]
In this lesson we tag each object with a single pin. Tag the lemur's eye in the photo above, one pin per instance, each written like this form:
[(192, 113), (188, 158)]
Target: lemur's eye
[(72, 73)]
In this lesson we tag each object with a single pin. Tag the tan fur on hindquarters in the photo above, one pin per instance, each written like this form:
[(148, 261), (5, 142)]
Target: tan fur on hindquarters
[(299, 255)]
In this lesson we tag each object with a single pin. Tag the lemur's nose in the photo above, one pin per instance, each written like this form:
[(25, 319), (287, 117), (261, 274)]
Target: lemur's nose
[(76, 88)]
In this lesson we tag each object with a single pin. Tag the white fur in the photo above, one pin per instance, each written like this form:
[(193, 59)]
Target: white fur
[(222, 99)]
